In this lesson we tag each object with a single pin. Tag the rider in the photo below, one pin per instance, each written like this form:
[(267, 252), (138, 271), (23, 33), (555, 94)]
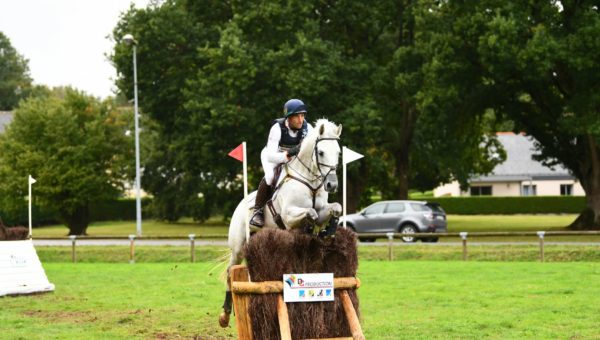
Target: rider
[(283, 143)]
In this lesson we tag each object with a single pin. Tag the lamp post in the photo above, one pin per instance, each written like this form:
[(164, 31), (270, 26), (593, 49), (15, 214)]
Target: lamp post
[(128, 38)]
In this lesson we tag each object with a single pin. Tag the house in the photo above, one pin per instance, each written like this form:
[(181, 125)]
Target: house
[(6, 118), (518, 175)]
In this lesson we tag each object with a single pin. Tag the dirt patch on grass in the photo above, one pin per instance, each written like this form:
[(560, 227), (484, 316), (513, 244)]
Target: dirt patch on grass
[(163, 335), (62, 316)]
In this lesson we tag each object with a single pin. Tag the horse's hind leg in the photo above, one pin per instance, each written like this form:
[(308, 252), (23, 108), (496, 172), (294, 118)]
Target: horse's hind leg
[(236, 258)]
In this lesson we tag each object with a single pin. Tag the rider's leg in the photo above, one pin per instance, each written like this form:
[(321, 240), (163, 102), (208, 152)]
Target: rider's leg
[(264, 191), (262, 196)]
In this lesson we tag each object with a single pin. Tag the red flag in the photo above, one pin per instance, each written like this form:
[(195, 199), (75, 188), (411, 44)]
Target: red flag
[(238, 153)]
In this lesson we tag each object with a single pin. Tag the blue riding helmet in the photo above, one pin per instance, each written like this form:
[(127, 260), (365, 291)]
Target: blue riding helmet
[(293, 106)]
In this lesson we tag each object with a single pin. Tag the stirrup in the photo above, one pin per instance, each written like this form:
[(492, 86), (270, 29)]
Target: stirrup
[(258, 219)]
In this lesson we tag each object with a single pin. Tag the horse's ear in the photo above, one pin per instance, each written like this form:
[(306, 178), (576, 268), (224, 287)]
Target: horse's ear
[(339, 130), (321, 129)]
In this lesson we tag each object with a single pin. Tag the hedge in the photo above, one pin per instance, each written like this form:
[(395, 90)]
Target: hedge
[(488, 205), (122, 209)]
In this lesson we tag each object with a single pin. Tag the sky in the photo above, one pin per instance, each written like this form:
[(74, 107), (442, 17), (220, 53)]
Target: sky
[(66, 41)]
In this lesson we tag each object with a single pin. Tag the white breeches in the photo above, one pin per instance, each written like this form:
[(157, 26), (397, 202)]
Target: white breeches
[(268, 167)]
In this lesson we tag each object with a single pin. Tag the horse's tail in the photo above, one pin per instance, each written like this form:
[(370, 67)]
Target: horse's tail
[(236, 236)]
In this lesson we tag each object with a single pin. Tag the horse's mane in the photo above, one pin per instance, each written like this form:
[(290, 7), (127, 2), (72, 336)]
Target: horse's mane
[(330, 130)]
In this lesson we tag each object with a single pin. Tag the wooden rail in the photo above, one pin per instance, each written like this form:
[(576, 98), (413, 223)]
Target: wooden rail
[(276, 287), (242, 288), (483, 234)]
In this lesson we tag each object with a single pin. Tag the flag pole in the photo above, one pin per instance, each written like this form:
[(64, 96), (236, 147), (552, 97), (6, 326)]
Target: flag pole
[(344, 187), (347, 156), (245, 162), (30, 180)]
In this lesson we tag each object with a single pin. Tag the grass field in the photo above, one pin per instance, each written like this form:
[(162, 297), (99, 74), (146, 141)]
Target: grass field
[(456, 223), (402, 252), (399, 300), (183, 228), (217, 225)]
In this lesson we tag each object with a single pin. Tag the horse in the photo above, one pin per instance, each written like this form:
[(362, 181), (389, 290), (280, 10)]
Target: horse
[(13, 233), (299, 200)]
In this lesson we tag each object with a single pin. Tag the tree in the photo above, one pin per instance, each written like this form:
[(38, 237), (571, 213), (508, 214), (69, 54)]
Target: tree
[(219, 73), (14, 75), (76, 148), (538, 65)]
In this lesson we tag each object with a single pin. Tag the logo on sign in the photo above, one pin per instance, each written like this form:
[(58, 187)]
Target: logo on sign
[(17, 261), (308, 287)]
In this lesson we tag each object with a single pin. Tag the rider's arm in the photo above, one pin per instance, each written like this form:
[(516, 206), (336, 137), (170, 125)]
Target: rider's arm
[(273, 153)]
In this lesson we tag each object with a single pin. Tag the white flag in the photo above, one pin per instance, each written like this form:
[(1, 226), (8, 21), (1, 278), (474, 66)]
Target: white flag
[(31, 180), (349, 155)]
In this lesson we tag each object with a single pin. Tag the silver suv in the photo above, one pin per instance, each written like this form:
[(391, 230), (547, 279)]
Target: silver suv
[(408, 217)]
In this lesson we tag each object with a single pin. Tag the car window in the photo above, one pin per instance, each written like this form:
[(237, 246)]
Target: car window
[(375, 209), (436, 208), (395, 208), (418, 207)]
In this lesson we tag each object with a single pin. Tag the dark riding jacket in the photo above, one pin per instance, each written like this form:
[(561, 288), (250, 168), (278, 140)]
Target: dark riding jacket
[(287, 141)]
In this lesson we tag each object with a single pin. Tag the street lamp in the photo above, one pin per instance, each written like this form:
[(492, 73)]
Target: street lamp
[(128, 38)]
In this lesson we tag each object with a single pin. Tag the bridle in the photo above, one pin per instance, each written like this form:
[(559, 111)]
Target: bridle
[(316, 176)]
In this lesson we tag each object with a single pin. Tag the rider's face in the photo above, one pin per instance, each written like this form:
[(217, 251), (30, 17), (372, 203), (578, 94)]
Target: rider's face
[(296, 120)]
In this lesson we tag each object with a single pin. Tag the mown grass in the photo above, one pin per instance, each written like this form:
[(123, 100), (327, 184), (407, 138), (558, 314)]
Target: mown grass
[(515, 223), (184, 227), (217, 225), (472, 223), (218, 255), (456, 223), (398, 300)]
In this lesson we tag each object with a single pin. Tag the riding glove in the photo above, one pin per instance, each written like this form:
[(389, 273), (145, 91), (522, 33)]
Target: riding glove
[(293, 151)]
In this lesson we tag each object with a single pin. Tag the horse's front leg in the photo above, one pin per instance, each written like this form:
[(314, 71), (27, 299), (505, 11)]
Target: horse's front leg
[(236, 258), (329, 210), (295, 217), (329, 215)]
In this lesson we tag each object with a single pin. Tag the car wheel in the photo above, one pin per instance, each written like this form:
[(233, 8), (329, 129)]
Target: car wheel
[(408, 229)]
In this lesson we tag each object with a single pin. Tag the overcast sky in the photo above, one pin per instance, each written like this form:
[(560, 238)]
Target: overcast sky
[(65, 41)]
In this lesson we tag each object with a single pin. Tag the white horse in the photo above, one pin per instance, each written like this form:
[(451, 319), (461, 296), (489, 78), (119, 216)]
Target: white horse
[(300, 198)]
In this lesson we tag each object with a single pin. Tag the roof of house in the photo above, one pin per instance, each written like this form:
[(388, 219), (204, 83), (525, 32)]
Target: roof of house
[(519, 165), (6, 118)]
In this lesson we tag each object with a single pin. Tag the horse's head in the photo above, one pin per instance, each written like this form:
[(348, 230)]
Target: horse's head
[(326, 154)]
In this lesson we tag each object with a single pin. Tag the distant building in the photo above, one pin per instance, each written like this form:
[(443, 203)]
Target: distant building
[(6, 118), (519, 175)]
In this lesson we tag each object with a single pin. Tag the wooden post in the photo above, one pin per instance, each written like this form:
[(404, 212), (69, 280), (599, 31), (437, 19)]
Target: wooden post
[(284, 319), (463, 235), (390, 237), (541, 236), (351, 316), (240, 303), (73, 238), (192, 247), (132, 249)]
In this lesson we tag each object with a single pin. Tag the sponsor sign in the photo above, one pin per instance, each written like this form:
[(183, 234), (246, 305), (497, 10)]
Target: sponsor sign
[(308, 287), (21, 271)]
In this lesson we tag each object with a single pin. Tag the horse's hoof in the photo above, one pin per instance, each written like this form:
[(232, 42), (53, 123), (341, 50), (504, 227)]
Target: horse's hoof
[(224, 319)]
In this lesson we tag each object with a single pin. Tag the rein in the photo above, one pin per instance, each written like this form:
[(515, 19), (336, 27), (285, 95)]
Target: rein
[(317, 176)]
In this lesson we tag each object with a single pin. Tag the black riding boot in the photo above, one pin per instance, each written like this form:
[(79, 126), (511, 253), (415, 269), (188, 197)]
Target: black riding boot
[(262, 196)]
